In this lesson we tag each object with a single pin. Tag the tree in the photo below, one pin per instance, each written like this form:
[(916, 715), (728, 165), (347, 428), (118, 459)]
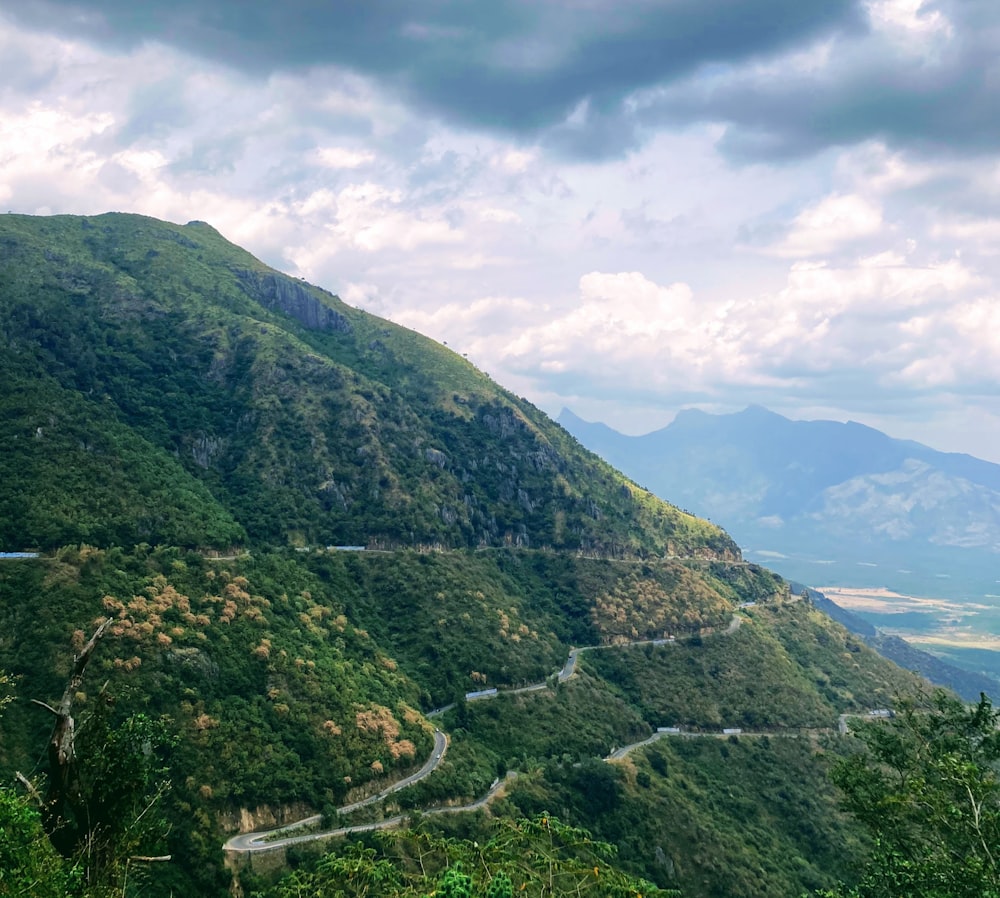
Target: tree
[(926, 787), (537, 858), (29, 865), (105, 779)]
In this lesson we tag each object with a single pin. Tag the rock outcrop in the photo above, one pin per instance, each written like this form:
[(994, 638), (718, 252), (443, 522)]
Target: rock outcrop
[(287, 295)]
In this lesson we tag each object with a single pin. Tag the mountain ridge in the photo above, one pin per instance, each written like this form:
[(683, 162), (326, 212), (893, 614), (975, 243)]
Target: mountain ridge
[(291, 407), (818, 489)]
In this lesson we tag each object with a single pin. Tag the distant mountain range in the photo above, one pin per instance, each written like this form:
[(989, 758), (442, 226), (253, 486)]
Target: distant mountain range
[(821, 501)]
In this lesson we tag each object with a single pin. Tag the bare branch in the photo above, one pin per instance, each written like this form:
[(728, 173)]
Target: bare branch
[(29, 787), (62, 749)]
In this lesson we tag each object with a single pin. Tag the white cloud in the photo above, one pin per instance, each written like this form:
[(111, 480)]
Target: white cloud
[(908, 18), (144, 163), (342, 157), (501, 216), (47, 131), (372, 217), (982, 232), (883, 318), (515, 161), (826, 226), (875, 169)]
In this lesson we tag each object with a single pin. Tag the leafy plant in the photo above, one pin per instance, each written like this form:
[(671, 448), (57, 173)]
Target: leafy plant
[(927, 789)]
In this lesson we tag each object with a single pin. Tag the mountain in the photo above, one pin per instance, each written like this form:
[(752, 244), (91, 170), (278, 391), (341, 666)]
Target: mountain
[(821, 498), (306, 534), (160, 385)]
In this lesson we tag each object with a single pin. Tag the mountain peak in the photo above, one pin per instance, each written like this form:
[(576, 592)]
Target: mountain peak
[(567, 417), (759, 411)]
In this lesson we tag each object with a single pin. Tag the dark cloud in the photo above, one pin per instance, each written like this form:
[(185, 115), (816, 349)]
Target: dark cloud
[(931, 93), (517, 66)]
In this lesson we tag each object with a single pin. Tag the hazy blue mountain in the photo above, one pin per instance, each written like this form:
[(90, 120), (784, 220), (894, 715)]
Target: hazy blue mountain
[(820, 500)]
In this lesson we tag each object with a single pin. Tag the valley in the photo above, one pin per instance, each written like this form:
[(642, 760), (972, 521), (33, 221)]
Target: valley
[(181, 426), (966, 633), (824, 502)]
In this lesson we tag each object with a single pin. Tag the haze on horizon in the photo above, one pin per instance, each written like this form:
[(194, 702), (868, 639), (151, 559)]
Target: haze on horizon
[(623, 208)]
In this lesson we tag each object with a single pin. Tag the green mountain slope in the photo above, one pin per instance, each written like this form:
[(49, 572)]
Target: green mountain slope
[(185, 436), (309, 422)]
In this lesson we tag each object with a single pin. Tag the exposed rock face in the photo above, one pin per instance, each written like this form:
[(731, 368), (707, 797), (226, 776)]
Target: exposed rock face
[(289, 296), (205, 448), (436, 457), (247, 820)]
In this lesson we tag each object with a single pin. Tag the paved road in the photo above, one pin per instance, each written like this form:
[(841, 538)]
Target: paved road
[(264, 840), (798, 733), (261, 842), (569, 668)]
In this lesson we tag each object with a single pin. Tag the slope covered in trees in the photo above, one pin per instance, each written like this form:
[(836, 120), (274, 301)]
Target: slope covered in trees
[(184, 431), (190, 394)]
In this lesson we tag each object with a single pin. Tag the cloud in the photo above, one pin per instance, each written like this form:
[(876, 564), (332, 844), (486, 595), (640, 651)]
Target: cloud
[(909, 19), (831, 223), (596, 80), (507, 66), (885, 325), (600, 242), (921, 76), (342, 157)]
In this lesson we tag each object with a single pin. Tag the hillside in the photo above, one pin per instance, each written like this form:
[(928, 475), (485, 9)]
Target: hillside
[(188, 395), (311, 530), (964, 683)]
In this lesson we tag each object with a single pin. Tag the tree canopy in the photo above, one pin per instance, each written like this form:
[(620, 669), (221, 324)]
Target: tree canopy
[(926, 787), (540, 857)]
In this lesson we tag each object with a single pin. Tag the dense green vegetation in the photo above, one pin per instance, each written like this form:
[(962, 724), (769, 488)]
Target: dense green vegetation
[(220, 651), (535, 858), (738, 816), (926, 787), (786, 666), (163, 355), (184, 433)]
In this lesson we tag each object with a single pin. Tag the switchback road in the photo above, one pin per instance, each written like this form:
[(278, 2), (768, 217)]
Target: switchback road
[(273, 839), (266, 839)]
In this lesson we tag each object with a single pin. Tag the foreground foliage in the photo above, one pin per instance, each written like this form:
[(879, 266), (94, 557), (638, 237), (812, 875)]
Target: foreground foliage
[(537, 858), (29, 865), (927, 788), (102, 809)]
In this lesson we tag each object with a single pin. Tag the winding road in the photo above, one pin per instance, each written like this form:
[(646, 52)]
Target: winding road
[(273, 839), (798, 733), (265, 839)]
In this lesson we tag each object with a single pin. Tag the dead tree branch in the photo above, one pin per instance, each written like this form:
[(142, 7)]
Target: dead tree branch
[(62, 748)]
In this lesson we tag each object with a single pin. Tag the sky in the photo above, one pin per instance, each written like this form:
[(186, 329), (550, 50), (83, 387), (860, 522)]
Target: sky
[(623, 207)]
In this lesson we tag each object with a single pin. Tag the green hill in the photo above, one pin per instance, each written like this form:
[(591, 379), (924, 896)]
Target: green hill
[(187, 436), (307, 421)]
